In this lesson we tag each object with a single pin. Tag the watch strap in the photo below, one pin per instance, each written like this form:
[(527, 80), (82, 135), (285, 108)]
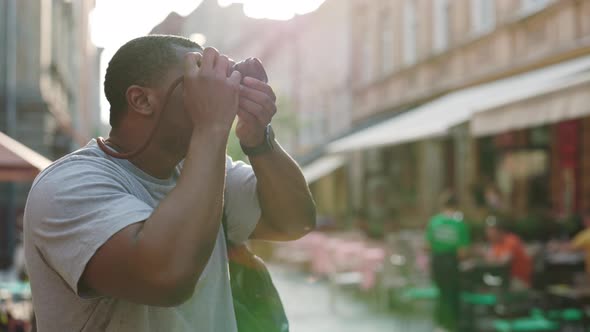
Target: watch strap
[(266, 146)]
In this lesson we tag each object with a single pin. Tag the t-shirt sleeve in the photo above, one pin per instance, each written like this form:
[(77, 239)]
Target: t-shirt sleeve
[(242, 209), (74, 209)]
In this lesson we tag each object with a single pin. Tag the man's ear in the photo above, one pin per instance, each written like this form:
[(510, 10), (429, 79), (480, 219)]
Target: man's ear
[(139, 100)]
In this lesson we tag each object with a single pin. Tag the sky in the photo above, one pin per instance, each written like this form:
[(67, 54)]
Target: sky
[(111, 26)]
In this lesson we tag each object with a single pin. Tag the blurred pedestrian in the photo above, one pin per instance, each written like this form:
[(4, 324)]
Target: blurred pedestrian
[(447, 237), (118, 244), (508, 248)]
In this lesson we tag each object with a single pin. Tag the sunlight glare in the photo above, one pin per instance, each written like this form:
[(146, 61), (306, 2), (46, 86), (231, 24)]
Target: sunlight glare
[(275, 9), (114, 22)]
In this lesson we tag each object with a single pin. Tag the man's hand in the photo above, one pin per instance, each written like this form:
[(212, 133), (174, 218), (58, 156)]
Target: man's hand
[(210, 96), (257, 106)]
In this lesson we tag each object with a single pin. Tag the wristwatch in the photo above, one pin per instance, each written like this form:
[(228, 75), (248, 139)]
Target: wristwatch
[(266, 146)]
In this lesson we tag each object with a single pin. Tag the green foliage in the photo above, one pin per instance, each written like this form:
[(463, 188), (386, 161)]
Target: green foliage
[(233, 146)]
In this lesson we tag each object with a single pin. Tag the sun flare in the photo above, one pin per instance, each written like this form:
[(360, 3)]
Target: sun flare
[(115, 22), (275, 9)]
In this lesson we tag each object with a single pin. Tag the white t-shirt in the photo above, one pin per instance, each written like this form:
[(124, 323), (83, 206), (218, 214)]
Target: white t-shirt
[(82, 200)]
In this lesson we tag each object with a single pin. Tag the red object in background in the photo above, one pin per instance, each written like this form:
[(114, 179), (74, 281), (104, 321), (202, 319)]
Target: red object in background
[(511, 246), (505, 140), (512, 140), (568, 140)]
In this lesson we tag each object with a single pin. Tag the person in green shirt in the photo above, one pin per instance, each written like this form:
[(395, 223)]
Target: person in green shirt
[(448, 238)]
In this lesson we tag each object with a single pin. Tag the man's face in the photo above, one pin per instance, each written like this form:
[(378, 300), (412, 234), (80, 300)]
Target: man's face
[(175, 128)]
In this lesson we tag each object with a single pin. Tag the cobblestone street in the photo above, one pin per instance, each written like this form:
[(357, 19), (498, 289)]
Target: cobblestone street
[(308, 307)]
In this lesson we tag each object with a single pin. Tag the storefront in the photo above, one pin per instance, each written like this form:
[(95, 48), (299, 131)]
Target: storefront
[(409, 159), (514, 173), (533, 157), (328, 182)]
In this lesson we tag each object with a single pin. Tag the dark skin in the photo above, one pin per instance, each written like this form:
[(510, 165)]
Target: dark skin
[(158, 261)]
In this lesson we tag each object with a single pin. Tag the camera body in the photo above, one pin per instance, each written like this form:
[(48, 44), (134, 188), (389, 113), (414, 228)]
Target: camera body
[(251, 67)]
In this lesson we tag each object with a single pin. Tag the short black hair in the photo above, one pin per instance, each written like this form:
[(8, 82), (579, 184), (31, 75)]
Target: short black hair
[(140, 61)]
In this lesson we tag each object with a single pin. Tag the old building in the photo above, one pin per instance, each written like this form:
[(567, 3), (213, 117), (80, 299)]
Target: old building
[(441, 85), (49, 87)]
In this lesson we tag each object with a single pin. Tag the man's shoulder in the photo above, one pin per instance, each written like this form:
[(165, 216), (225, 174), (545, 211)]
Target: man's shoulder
[(83, 162)]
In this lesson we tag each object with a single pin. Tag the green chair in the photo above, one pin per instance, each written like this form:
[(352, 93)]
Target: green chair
[(420, 293), (568, 317), (479, 299), (528, 324)]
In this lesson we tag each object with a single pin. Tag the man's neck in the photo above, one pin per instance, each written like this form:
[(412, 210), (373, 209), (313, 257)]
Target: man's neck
[(153, 160)]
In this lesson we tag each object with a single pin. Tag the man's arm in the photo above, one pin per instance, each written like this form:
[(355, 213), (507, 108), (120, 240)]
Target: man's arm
[(288, 210), (159, 261)]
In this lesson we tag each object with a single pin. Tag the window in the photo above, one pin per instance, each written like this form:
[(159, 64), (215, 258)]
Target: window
[(367, 59), (483, 15), (366, 47), (387, 42), (529, 6), (441, 25), (410, 32)]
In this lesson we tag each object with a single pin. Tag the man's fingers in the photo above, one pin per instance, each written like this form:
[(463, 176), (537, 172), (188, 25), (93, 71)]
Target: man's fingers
[(191, 61), (258, 97), (248, 119), (260, 86), (230, 67), (209, 58), (221, 66), (235, 78), (256, 110)]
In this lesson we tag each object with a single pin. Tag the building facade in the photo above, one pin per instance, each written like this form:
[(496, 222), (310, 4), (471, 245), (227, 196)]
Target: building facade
[(436, 57), (49, 87)]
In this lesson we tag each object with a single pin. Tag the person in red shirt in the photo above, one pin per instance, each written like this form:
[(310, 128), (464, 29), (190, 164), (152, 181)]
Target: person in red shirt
[(508, 247)]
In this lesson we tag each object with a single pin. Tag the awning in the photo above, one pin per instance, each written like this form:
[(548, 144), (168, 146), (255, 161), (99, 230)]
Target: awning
[(567, 99), (322, 167), (18, 162), (435, 118)]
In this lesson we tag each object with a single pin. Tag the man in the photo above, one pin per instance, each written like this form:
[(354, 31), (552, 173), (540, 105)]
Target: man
[(508, 247), (137, 245), (447, 237)]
